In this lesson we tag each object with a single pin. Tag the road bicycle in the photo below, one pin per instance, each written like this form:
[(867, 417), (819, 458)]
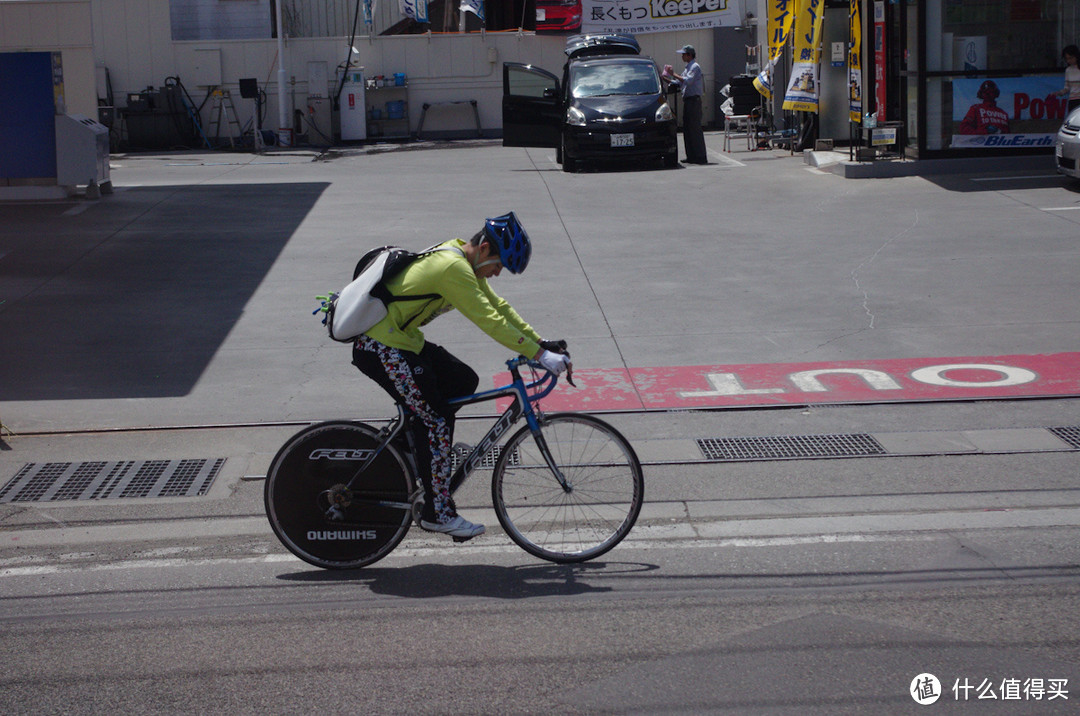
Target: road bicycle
[(566, 487)]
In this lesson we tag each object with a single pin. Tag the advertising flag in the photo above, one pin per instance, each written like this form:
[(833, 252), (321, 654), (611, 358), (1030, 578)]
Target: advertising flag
[(778, 26), (880, 85), (802, 91), (416, 9), (476, 7), (855, 62)]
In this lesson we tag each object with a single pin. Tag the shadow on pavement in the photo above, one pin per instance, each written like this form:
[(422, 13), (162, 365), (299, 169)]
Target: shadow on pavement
[(133, 298), (969, 184), (425, 581)]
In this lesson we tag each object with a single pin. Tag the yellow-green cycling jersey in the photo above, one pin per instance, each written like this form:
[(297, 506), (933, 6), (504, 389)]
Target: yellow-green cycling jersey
[(449, 274)]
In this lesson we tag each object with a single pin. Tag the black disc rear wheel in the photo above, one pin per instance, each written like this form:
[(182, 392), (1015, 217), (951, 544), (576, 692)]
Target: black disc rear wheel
[(315, 513)]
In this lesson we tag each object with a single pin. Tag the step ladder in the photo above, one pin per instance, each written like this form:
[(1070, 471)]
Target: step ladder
[(223, 104)]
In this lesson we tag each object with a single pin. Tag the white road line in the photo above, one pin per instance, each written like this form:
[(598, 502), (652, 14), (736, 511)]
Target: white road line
[(738, 533), (724, 159), (36, 570), (504, 546), (1014, 178), (1059, 208)]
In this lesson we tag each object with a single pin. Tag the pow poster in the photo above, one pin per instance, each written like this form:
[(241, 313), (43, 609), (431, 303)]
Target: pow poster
[(1010, 112)]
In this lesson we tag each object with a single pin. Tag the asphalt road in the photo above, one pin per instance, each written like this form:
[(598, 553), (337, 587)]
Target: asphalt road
[(170, 321)]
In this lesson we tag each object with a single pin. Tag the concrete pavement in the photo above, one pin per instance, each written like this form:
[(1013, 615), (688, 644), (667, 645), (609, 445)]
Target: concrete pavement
[(183, 301)]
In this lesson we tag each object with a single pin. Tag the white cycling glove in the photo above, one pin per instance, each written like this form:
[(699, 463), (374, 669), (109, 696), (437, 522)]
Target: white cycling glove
[(555, 362)]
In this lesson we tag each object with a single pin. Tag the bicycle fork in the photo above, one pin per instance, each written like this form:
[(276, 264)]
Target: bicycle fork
[(541, 444)]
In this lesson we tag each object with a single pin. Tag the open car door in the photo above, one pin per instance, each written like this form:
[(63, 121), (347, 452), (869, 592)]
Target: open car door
[(532, 111)]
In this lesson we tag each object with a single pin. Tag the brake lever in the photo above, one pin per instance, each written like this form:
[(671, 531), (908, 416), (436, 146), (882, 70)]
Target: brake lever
[(570, 376)]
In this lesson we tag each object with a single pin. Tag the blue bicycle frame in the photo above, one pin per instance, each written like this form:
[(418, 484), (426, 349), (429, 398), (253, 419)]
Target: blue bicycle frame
[(521, 406)]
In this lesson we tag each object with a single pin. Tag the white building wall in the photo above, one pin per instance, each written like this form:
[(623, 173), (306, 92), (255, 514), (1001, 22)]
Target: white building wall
[(440, 68), (133, 40), (59, 25)]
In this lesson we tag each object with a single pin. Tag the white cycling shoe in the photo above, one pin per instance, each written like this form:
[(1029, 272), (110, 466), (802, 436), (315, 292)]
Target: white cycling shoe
[(459, 528)]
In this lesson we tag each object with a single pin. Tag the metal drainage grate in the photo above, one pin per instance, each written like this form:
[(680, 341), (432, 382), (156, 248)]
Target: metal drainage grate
[(789, 446), (46, 482), (1070, 435), (461, 451)]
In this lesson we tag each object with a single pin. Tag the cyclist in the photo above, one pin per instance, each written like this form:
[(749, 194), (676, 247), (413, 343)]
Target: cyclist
[(423, 375)]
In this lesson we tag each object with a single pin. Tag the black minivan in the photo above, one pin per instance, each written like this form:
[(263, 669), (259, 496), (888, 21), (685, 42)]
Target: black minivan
[(610, 104)]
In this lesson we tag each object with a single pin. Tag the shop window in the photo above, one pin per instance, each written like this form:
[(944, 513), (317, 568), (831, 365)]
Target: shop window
[(995, 70), (446, 16), (973, 113), (993, 35), (220, 19)]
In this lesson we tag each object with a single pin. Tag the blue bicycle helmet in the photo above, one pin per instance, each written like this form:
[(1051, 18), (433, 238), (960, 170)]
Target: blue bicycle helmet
[(509, 237)]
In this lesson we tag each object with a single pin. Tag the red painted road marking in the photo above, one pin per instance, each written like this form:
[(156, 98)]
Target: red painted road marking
[(907, 379)]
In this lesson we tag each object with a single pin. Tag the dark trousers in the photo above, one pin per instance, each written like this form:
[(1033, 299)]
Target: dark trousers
[(693, 137), (424, 382)]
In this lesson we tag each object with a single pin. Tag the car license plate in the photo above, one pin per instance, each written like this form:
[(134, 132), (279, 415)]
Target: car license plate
[(541, 14), (622, 140), (1060, 150)]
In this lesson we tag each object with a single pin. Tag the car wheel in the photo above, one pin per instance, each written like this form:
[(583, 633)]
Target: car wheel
[(569, 164)]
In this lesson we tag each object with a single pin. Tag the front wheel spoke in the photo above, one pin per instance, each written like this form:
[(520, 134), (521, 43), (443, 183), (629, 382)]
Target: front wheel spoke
[(601, 501)]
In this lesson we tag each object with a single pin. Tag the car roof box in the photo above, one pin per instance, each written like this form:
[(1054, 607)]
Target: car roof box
[(601, 44)]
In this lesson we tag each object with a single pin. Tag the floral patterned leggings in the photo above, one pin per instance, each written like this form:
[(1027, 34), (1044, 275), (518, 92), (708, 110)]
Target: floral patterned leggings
[(423, 382)]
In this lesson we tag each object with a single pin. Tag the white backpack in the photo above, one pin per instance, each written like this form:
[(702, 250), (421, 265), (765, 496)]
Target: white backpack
[(363, 303)]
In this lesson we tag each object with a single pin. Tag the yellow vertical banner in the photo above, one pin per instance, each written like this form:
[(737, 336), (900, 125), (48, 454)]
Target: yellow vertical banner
[(802, 91), (778, 26), (855, 61)]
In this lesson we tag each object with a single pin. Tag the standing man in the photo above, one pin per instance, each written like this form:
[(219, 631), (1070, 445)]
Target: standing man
[(691, 84)]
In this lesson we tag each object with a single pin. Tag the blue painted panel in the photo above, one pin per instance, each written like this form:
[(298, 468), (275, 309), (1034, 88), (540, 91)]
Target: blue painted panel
[(27, 124)]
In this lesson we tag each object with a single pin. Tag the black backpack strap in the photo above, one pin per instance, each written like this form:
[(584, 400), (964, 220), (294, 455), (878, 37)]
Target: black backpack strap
[(367, 258), (381, 292)]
